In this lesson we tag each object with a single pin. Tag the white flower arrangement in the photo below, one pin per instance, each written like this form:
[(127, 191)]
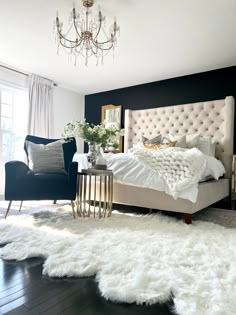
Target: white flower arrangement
[(105, 137)]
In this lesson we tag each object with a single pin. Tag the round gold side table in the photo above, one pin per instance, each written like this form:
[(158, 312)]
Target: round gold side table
[(94, 186)]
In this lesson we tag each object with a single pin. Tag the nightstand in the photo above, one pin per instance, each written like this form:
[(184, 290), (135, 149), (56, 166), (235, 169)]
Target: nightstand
[(95, 185), (233, 183)]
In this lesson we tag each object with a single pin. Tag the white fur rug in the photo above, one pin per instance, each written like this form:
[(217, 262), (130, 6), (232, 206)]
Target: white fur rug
[(141, 259)]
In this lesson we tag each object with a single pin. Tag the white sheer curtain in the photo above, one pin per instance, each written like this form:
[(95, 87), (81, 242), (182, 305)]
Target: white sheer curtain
[(40, 106), (13, 126)]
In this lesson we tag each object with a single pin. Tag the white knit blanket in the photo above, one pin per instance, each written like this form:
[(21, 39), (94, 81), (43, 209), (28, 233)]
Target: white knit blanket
[(180, 168)]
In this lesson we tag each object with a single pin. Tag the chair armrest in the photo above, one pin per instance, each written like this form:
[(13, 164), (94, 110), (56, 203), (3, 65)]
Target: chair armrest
[(72, 172), (15, 169), (72, 178)]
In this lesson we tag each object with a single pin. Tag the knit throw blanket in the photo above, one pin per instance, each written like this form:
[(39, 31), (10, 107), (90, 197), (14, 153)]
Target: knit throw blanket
[(180, 168)]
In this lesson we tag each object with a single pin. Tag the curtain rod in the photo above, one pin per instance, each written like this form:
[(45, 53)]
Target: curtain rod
[(21, 72)]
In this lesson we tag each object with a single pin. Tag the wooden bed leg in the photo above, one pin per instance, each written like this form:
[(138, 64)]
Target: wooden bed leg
[(188, 218)]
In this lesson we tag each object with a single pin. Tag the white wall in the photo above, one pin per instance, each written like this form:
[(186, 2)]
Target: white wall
[(67, 106), (13, 78)]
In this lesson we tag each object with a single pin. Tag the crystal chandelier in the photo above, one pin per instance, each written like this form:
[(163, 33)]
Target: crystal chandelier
[(86, 35)]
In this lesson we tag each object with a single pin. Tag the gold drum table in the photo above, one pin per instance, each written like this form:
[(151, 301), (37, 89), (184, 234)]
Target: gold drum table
[(94, 186)]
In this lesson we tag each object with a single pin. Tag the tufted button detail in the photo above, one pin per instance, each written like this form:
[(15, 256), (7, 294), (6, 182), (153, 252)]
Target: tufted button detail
[(206, 118)]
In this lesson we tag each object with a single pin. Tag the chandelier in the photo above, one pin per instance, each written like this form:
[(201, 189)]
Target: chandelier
[(86, 35)]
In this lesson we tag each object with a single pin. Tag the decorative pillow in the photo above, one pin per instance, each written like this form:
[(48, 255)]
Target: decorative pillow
[(160, 145), (155, 140), (213, 149), (46, 158), (206, 146), (180, 140), (138, 145), (192, 140)]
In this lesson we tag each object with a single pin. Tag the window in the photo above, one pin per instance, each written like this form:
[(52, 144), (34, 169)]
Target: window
[(13, 125)]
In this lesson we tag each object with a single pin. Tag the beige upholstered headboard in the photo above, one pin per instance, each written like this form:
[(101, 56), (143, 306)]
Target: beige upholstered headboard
[(213, 118)]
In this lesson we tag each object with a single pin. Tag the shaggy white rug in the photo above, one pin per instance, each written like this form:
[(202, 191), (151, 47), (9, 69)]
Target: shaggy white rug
[(142, 259)]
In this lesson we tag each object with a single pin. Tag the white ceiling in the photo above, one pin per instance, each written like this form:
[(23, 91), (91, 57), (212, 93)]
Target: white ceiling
[(159, 39)]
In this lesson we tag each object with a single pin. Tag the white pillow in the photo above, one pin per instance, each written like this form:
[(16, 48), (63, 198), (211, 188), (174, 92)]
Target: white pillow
[(206, 146), (192, 140), (213, 149), (46, 158), (181, 140), (138, 145)]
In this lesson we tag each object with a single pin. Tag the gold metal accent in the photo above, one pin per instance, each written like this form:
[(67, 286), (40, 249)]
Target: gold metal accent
[(103, 117), (100, 197), (89, 194), (104, 195), (73, 208), (84, 195), (86, 35), (94, 200), (88, 3)]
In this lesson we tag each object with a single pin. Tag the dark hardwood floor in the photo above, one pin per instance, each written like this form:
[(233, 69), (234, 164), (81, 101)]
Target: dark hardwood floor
[(24, 290)]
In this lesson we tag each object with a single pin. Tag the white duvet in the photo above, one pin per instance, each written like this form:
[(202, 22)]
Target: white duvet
[(175, 171)]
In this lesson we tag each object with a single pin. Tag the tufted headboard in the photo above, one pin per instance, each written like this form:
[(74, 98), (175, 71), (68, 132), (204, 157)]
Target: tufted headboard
[(213, 118)]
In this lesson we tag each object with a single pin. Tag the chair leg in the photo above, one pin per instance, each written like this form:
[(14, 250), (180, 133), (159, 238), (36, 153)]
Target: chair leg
[(8, 208), (21, 205), (73, 208)]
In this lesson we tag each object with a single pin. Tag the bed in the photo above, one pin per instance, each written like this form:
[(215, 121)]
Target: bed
[(212, 118)]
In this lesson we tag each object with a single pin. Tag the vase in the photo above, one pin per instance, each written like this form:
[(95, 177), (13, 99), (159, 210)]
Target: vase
[(92, 154), (101, 162)]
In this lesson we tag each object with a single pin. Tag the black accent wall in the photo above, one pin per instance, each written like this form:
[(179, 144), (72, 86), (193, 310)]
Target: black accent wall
[(206, 86)]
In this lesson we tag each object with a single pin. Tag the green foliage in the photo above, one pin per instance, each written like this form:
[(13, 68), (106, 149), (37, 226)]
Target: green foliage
[(106, 137)]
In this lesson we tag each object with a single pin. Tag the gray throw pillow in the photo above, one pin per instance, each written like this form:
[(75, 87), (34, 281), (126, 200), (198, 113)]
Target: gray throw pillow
[(155, 140), (47, 158)]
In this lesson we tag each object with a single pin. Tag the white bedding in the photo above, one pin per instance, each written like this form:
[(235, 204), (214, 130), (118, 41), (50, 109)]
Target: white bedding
[(135, 169)]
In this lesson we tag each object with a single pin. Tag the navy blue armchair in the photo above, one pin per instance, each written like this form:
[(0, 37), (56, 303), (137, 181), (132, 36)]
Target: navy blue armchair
[(21, 183)]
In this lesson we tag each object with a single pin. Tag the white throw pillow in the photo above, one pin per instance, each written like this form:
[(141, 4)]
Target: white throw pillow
[(206, 146), (192, 140), (181, 140), (46, 158), (138, 145), (213, 149)]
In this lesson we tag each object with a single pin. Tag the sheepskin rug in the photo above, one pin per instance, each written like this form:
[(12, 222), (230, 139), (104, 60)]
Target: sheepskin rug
[(141, 259)]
